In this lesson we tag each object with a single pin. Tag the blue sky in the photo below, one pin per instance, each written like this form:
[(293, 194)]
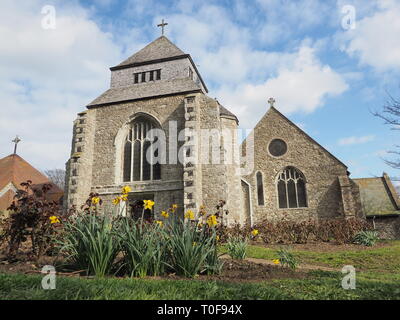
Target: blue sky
[(324, 77)]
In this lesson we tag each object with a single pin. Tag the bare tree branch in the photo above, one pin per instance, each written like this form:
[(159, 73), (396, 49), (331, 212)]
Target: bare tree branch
[(391, 115), (57, 176)]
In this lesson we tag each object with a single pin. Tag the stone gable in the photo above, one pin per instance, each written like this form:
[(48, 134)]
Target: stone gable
[(320, 169)]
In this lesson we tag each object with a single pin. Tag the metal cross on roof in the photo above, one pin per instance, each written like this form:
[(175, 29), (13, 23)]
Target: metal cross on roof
[(16, 141), (162, 25), (271, 101)]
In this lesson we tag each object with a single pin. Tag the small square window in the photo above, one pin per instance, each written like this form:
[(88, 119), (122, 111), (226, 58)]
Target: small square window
[(143, 79), (190, 100), (151, 76), (136, 78), (158, 74)]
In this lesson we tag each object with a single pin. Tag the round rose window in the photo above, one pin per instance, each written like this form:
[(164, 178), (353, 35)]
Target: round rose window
[(277, 147)]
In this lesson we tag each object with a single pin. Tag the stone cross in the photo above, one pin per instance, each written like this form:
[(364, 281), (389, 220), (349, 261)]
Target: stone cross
[(162, 25), (16, 141), (271, 102)]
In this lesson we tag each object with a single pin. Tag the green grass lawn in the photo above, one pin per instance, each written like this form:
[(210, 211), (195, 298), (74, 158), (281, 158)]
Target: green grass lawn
[(377, 277), (321, 285), (383, 259)]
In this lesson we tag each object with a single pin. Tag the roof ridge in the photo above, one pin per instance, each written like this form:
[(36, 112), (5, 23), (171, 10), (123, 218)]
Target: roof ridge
[(305, 133)]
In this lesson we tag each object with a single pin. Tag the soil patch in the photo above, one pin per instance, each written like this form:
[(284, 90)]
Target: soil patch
[(246, 270), (232, 271)]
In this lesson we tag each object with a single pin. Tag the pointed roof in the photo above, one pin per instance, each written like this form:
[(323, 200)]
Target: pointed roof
[(13, 171), (273, 109), (224, 112), (160, 49), (16, 170)]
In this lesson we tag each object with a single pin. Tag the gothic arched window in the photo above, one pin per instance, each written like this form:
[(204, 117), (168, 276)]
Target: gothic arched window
[(291, 189), (260, 189), (136, 166)]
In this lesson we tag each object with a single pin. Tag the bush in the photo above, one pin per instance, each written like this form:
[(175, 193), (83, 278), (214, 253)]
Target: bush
[(236, 247), (286, 231), (366, 238), (143, 247), (31, 217), (287, 259), (192, 250), (90, 243)]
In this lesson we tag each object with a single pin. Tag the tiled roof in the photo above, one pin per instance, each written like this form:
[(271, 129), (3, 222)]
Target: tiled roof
[(225, 112), (378, 196), (6, 199), (222, 110), (145, 90), (161, 48), (16, 170)]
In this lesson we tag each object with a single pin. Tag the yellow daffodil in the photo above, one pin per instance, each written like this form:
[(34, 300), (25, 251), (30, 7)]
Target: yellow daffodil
[(124, 197), (174, 207), (276, 261), (165, 214), (212, 220), (148, 204), (160, 223), (116, 200), (54, 219), (95, 200), (189, 215), (217, 238), (254, 232), (126, 189)]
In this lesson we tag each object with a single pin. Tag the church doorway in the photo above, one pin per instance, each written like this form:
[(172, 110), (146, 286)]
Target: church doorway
[(136, 205)]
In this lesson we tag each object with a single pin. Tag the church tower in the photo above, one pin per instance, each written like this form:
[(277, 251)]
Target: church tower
[(158, 89)]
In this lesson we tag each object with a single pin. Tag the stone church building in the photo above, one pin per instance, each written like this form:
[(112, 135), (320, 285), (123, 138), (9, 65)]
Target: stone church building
[(159, 89)]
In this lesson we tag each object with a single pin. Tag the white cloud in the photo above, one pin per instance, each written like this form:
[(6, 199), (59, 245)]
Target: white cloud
[(301, 85), (355, 140), (375, 41), (381, 153), (47, 76)]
